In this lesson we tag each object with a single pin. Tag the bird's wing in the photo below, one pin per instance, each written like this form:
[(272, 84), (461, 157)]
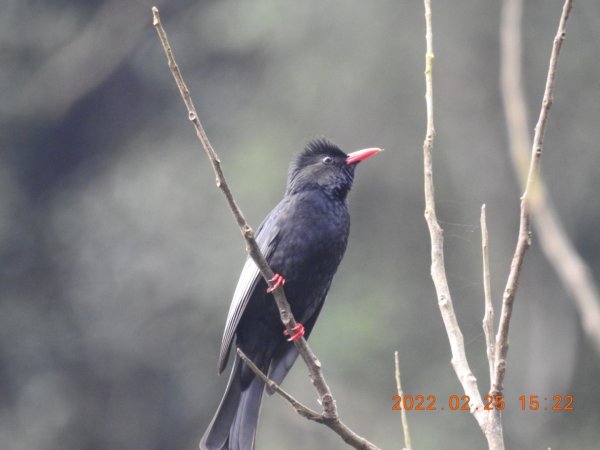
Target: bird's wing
[(266, 236)]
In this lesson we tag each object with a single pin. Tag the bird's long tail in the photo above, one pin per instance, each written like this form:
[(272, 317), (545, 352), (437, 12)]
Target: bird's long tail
[(234, 425)]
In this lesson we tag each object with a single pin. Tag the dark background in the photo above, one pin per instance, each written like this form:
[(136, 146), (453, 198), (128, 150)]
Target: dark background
[(119, 255)]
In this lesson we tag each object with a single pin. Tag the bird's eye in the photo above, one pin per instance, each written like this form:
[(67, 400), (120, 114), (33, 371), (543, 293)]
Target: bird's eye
[(328, 160)]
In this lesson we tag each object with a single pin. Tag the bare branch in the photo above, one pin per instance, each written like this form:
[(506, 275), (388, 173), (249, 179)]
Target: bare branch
[(330, 414), (407, 442), (335, 424), (488, 316), (438, 271), (300, 408), (490, 423), (531, 190), (572, 270)]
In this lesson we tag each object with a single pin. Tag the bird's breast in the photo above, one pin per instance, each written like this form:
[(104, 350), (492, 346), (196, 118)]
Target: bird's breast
[(312, 240)]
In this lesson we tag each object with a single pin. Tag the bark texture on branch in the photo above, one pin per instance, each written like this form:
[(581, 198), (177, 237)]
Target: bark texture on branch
[(329, 415), (438, 270), (489, 421), (572, 270), (532, 187)]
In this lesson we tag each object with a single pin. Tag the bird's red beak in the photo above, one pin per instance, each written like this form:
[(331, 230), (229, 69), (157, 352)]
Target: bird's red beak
[(359, 155)]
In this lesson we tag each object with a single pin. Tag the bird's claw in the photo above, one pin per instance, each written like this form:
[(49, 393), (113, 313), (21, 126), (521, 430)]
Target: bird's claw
[(298, 331), (278, 281)]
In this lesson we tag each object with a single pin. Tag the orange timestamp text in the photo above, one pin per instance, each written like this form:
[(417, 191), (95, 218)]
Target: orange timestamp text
[(430, 402)]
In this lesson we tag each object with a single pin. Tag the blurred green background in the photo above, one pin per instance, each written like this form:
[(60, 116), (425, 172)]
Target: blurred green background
[(119, 255)]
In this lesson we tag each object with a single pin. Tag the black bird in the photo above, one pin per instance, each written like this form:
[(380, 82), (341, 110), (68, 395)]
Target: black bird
[(303, 239)]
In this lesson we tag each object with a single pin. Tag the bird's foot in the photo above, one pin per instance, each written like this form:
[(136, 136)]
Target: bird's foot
[(278, 280), (298, 332)]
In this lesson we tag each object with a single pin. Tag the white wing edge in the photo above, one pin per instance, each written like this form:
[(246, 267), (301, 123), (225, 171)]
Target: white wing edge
[(249, 278), (247, 282)]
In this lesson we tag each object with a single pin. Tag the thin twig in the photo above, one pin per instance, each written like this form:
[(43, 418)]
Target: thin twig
[(438, 271), (488, 316), (489, 423), (247, 232), (335, 424), (300, 408), (330, 414), (531, 189), (405, 429), (572, 270)]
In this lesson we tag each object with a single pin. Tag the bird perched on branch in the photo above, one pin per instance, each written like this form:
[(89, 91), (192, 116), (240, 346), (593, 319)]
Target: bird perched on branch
[(303, 239)]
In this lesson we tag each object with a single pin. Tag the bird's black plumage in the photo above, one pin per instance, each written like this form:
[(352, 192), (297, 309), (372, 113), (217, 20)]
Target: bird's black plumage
[(304, 239)]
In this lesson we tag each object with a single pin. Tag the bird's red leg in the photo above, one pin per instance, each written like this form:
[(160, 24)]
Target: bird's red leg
[(298, 331), (278, 280)]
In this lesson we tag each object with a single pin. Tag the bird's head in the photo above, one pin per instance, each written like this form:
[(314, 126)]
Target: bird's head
[(323, 165)]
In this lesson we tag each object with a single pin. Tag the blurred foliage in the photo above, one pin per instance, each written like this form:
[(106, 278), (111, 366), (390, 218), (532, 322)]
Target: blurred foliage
[(119, 255)]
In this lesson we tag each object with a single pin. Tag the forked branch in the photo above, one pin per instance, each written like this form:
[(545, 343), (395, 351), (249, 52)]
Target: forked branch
[(326, 399), (438, 270), (489, 421)]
